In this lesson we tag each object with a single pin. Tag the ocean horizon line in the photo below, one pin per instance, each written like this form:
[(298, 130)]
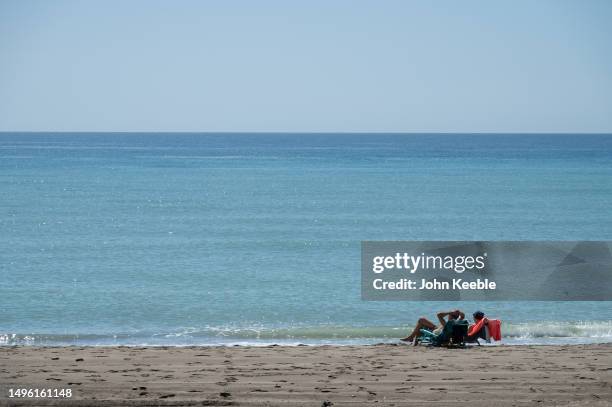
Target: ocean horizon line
[(276, 132)]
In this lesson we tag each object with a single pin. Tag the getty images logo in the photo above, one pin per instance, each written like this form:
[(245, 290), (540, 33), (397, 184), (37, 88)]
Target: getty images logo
[(412, 264)]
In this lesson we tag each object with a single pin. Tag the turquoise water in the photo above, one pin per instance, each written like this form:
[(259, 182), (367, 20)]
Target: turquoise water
[(255, 238)]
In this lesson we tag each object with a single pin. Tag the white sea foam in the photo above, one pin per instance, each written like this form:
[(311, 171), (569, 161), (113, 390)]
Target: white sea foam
[(541, 332)]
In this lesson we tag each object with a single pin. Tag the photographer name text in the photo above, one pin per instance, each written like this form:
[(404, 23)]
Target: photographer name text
[(434, 284)]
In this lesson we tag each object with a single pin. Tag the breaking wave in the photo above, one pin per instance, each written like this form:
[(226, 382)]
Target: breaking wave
[(542, 332)]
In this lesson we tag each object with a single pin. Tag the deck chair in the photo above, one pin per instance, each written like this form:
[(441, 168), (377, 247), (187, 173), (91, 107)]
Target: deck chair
[(490, 330), (453, 334)]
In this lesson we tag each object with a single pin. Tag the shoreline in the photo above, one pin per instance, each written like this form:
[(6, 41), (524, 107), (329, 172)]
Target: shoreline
[(506, 342), (310, 375), (542, 332), (398, 343)]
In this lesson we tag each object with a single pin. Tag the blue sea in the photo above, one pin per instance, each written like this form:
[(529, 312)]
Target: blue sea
[(208, 239)]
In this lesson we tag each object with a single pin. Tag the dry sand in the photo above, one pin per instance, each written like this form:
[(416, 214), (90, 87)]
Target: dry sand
[(576, 375)]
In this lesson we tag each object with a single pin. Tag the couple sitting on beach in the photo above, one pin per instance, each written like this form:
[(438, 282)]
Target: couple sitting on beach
[(474, 331)]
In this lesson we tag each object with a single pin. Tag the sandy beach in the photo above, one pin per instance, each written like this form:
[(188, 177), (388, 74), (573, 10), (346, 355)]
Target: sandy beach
[(574, 375)]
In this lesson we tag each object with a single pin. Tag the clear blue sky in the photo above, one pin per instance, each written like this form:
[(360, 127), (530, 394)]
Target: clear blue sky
[(435, 66)]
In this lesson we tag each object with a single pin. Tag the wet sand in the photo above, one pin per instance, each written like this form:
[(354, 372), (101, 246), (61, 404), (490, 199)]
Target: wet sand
[(573, 375)]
